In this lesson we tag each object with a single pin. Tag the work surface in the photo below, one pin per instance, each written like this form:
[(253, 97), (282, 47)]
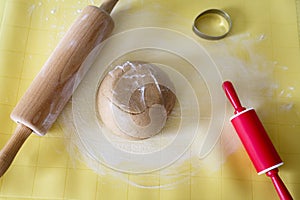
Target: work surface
[(43, 169)]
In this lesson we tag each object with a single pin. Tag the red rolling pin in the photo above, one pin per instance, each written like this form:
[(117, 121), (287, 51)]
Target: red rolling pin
[(256, 141)]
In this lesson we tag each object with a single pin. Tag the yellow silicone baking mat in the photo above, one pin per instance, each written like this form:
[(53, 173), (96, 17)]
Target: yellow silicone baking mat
[(43, 169)]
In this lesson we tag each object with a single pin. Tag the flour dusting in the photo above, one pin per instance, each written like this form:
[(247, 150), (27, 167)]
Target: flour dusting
[(237, 58)]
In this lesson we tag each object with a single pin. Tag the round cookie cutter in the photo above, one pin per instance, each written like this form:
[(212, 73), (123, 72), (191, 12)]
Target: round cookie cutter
[(212, 24)]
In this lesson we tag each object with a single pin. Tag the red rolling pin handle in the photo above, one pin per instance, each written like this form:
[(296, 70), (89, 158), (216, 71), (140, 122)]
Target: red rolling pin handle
[(233, 97), (282, 191), (256, 141)]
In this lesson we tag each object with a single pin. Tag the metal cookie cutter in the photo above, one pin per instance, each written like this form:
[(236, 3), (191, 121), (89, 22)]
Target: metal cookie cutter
[(212, 24)]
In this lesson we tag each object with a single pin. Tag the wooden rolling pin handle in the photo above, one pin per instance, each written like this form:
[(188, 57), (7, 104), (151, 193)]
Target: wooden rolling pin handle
[(10, 150), (108, 5)]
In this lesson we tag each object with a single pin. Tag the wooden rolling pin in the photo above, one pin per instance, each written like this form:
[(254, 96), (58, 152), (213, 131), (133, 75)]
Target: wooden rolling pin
[(52, 88)]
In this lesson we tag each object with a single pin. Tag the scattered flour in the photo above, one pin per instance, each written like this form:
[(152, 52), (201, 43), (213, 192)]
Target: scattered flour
[(237, 59)]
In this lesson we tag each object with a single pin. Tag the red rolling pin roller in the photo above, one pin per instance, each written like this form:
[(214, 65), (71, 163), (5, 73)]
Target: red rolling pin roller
[(256, 141)]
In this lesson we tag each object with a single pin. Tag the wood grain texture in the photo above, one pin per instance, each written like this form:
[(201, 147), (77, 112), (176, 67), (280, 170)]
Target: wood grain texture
[(10, 150), (52, 88)]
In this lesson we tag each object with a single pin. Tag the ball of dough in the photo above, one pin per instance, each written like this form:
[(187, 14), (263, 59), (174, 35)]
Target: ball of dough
[(134, 100)]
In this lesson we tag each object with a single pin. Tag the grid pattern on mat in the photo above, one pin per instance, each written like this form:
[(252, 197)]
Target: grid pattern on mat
[(29, 31)]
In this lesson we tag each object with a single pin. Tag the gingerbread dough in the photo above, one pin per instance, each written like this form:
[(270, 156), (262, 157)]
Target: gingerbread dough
[(134, 100)]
